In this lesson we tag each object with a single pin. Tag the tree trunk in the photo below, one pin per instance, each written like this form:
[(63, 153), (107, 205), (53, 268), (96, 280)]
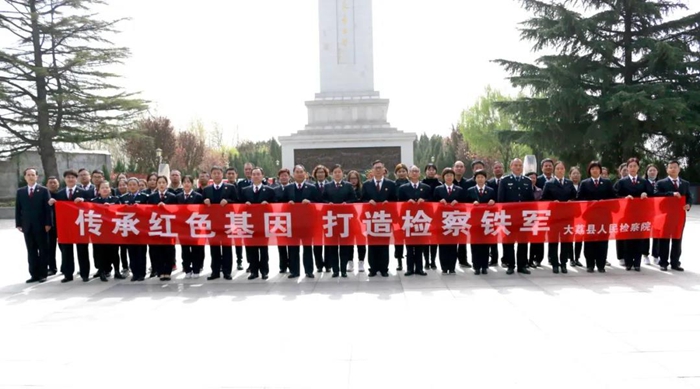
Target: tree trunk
[(46, 134)]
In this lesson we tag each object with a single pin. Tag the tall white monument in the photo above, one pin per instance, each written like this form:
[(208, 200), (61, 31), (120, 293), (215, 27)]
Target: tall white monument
[(347, 120)]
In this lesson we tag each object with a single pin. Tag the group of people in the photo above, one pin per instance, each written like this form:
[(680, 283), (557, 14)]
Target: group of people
[(35, 218)]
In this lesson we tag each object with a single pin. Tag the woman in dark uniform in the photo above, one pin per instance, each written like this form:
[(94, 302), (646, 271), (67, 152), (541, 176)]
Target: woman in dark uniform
[(162, 256), (401, 175), (433, 182), (107, 255), (356, 182), (192, 256), (448, 193)]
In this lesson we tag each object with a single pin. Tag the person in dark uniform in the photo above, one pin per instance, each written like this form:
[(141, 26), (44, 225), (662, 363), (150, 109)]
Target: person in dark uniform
[(164, 255), (192, 256), (90, 191), (33, 218), (53, 186), (515, 188), (232, 179), (595, 188), (202, 182), (620, 244), (431, 179), (547, 166), (283, 176), (257, 193), (106, 255), (559, 189), (302, 192), (320, 175), (338, 192), (493, 183), (401, 174), (220, 193), (378, 190), (536, 249), (448, 193), (247, 173), (137, 252), (480, 194), (631, 187), (69, 193), (415, 192), (675, 186), (459, 170), (356, 182), (651, 174)]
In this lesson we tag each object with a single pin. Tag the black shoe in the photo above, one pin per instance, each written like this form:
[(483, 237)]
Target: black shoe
[(400, 268), (590, 270), (577, 263), (51, 273), (310, 275), (563, 270), (468, 265), (293, 275), (452, 271), (344, 275), (31, 280), (663, 268), (493, 262), (118, 276), (477, 272), (134, 279), (283, 271), (408, 273), (422, 273), (247, 270), (66, 279), (433, 266), (103, 277), (637, 268), (335, 275), (328, 270), (152, 275), (555, 269), (42, 280), (485, 271), (213, 277), (319, 270), (265, 276), (372, 273), (228, 277), (239, 267), (524, 271), (601, 270), (86, 279), (628, 268), (385, 274), (607, 263), (677, 268), (96, 275), (510, 271), (165, 278), (444, 272), (532, 264), (252, 276)]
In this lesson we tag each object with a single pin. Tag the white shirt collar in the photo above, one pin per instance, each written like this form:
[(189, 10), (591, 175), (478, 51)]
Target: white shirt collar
[(187, 193), (257, 187), (481, 187), (380, 182), (31, 188), (449, 187), (634, 178), (70, 188)]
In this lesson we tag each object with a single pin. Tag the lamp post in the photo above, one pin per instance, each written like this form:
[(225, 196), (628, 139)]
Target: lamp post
[(432, 159), (159, 154)]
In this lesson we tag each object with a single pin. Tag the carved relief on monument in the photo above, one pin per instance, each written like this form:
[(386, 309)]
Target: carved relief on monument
[(356, 158)]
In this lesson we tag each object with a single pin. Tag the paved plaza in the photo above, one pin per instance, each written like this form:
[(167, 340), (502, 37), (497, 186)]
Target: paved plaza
[(615, 330)]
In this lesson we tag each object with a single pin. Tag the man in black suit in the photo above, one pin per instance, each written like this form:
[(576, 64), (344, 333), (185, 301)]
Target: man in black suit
[(493, 183), (338, 191), (70, 193), (562, 190), (515, 188), (480, 194), (595, 188), (33, 219), (137, 252), (282, 181), (465, 184), (53, 186), (302, 192), (232, 179), (378, 190), (89, 192), (415, 192), (677, 187), (246, 181), (547, 168), (203, 181), (257, 193), (631, 187), (222, 194)]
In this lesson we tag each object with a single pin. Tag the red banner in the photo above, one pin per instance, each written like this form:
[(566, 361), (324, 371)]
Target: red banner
[(400, 223)]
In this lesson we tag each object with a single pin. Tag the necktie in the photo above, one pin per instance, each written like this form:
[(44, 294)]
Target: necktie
[(31, 192), (70, 193), (595, 182), (299, 186), (216, 187), (162, 197), (634, 180), (379, 187), (481, 191), (415, 186), (449, 190), (517, 178), (498, 180), (561, 182), (255, 189), (675, 184), (337, 185), (186, 196)]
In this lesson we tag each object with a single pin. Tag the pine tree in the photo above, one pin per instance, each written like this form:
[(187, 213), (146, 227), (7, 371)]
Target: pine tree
[(55, 86), (620, 78)]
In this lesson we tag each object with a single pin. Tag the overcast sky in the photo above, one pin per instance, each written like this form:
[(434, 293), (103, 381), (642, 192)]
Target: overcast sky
[(249, 65)]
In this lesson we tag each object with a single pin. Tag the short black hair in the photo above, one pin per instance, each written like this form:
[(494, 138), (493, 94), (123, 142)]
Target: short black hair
[(51, 178), (376, 161), (430, 165), (70, 172), (28, 169), (189, 178), (593, 164), (633, 160), (98, 171), (477, 162), (216, 168), (446, 171), (671, 162), (480, 172), (231, 169), (337, 166), (547, 160)]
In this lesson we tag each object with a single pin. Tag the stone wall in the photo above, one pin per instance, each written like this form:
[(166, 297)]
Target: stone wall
[(11, 170)]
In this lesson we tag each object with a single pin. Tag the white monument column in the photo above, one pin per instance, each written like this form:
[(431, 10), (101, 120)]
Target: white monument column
[(347, 120)]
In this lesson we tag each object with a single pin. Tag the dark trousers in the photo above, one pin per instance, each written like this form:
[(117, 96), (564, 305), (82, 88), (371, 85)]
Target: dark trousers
[(430, 253), (378, 257), (675, 251), (654, 248), (83, 257), (239, 255), (337, 257), (557, 258), (361, 252), (68, 262), (398, 251), (162, 259), (595, 253), (480, 256), (124, 256), (578, 246), (633, 252), (137, 254), (537, 252), (510, 257), (221, 259), (105, 256), (192, 259), (53, 239), (462, 254), (284, 258), (620, 249), (294, 257), (414, 258), (37, 253), (152, 256), (448, 256), (493, 252), (258, 259), (318, 258)]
